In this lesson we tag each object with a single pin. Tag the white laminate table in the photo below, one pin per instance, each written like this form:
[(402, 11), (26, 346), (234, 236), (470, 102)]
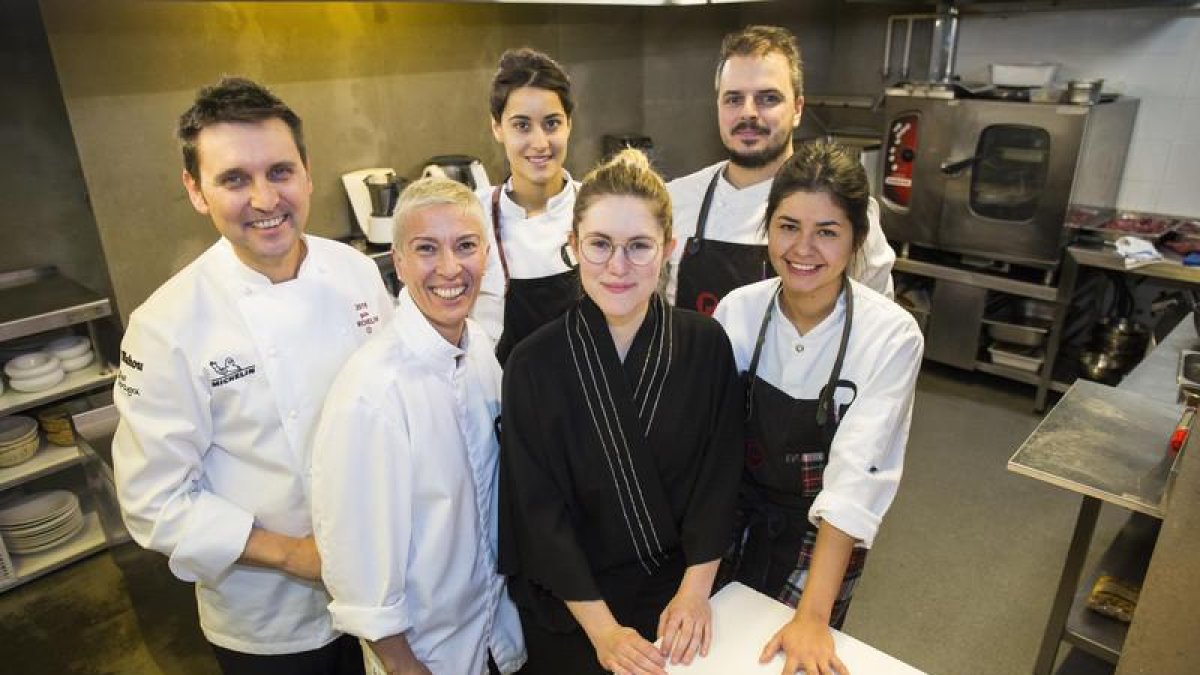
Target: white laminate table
[(743, 621)]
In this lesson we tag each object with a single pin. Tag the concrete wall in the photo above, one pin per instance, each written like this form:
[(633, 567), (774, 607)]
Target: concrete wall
[(44, 214), (378, 84)]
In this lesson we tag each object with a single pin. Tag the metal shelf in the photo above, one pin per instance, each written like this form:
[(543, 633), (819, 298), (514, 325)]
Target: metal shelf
[(988, 281), (84, 379), (49, 459), (87, 541), (42, 300), (1127, 557), (1019, 375)]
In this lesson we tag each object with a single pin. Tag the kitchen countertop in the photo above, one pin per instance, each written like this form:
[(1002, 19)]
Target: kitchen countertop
[(1109, 442)]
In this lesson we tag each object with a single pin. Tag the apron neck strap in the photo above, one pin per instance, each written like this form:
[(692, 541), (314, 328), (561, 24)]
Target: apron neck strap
[(825, 399), (702, 219), (496, 228)]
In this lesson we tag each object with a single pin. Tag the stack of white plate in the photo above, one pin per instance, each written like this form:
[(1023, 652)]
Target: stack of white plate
[(19, 439), (40, 521), (34, 371), (74, 352)]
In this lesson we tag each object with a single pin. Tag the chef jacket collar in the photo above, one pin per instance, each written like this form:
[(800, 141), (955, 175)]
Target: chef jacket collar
[(242, 275), (423, 338), (751, 194), (565, 199), (828, 325)]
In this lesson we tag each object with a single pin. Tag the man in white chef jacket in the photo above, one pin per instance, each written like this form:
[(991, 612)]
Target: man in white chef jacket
[(223, 373), (760, 97), (405, 463)]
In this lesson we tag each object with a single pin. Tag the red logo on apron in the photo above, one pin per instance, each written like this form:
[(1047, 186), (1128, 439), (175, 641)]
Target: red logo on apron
[(706, 303)]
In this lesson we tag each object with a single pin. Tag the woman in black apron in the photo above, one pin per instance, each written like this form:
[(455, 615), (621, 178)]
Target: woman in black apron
[(830, 368), (531, 277)]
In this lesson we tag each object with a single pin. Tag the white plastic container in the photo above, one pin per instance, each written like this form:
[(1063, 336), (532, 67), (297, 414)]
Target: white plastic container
[(1023, 74)]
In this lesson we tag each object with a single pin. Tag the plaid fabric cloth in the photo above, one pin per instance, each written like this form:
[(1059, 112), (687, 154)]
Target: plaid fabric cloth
[(794, 586)]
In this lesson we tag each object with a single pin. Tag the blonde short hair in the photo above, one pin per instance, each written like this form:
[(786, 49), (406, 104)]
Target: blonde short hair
[(428, 192)]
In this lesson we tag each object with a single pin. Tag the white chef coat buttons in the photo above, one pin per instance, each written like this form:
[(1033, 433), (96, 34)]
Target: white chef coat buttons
[(799, 347), (292, 414)]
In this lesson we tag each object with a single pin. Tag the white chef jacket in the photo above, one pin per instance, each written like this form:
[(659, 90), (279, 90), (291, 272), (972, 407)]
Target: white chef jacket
[(404, 479), (883, 358), (736, 216), (533, 248), (222, 379)]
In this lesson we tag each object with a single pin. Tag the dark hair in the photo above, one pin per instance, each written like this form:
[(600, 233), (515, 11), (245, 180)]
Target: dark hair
[(527, 67), (627, 174), (828, 168), (761, 41), (233, 99)]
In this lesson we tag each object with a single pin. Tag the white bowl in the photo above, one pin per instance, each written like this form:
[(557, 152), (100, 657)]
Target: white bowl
[(15, 428), (69, 347), (39, 383), (77, 362), (31, 365)]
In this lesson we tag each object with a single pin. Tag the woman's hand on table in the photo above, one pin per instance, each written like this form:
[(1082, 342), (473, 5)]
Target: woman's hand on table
[(623, 651), (807, 645), (685, 627)]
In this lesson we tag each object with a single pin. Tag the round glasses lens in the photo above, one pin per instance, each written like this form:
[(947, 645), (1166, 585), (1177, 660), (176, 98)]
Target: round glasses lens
[(597, 250), (641, 251)]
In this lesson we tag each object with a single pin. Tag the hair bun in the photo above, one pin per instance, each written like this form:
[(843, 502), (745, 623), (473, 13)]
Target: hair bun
[(632, 158)]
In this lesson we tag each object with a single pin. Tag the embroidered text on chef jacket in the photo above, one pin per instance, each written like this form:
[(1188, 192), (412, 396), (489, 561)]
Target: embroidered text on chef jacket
[(404, 497), (222, 378)]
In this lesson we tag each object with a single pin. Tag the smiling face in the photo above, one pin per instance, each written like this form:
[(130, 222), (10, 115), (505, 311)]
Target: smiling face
[(810, 241), (256, 188), (534, 130), (619, 288), (757, 109), (441, 259)]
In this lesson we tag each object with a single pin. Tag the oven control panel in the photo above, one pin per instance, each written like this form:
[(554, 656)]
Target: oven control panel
[(900, 155)]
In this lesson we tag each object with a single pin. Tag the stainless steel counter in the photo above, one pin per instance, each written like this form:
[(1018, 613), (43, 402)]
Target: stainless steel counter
[(1108, 444)]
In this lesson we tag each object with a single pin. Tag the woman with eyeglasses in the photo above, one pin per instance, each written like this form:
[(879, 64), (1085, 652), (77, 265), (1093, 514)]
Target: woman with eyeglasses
[(620, 446), (531, 277), (830, 366)]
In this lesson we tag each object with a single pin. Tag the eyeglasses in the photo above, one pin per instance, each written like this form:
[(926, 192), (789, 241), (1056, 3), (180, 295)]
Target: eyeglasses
[(598, 250)]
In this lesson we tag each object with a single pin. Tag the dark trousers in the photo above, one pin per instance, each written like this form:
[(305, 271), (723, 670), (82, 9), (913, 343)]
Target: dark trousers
[(340, 657)]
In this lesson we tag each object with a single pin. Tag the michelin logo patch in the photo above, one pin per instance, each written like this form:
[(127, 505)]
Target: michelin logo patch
[(229, 371)]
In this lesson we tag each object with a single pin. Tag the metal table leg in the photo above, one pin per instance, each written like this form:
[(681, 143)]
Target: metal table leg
[(1085, 525)]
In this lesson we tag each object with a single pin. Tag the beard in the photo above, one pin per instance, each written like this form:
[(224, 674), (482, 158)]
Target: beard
[(759, 158)]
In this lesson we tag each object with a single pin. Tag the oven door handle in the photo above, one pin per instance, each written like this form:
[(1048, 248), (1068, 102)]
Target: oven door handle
[(952, 167)]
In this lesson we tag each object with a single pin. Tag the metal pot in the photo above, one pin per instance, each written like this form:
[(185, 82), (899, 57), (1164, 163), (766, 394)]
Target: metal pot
[(1100, 367)]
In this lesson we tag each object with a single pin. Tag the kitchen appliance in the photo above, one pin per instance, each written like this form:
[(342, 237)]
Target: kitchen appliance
[(992, 179), (463, 168), (373, 194)]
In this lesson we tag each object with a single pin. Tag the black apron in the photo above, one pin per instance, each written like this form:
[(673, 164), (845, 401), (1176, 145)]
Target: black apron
[(710, 269), (787, 449), (530, 304)]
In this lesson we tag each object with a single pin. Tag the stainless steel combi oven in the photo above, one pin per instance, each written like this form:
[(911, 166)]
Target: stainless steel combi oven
[(992, 179)]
